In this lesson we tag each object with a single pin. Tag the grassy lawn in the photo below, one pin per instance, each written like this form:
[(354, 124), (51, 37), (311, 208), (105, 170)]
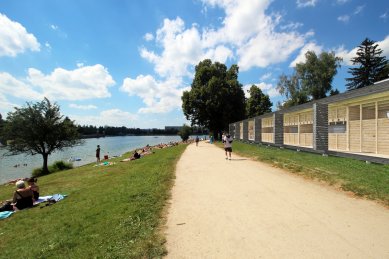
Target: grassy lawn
[(367, 180), (110, 212)]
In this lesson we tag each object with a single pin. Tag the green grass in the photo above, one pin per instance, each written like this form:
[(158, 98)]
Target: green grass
[(366, 180), (110, 212)]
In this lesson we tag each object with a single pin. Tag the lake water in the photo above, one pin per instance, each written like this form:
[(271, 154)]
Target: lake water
[(111, 146)]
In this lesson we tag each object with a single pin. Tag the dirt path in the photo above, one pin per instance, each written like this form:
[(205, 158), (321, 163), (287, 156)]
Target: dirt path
[(245, 209)]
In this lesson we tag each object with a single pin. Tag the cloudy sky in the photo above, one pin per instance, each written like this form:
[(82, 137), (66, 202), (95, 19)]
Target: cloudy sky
[(126, 63)]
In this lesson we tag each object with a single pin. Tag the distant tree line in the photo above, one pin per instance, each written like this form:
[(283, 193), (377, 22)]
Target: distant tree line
[(93, 131)]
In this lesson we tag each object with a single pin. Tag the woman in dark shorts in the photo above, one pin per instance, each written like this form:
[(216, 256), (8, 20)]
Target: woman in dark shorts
[(227, 140)]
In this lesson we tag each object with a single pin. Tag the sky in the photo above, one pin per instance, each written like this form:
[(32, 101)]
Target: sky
[(127, 63)]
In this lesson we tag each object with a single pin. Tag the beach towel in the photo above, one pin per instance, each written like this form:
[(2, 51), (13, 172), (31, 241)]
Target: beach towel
[(5, 214), (54, 197)]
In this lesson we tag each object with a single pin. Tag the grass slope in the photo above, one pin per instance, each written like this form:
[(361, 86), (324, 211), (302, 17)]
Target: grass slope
[(367, 180), (110, 212)]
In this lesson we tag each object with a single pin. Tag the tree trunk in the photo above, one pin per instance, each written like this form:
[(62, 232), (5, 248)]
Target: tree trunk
[(216, 135), (45, 169)]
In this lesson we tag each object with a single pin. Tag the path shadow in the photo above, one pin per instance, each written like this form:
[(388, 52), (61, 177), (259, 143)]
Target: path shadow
[(238, 159)]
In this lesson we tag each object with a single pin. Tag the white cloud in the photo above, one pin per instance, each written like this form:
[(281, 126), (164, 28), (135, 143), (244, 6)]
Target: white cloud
[(384, 16), (340, 2), (384, 45), (359, 9), (181, 48), (48, 46), (247, 36), (267, 49), (113, 117), (5, 105), (306, 3), (148, 37), (82, 83), (344, 18), (220, 54), (82, 107), (291, 26), (268, 89), (265, 76), (301, 56), (346, 55), (11, 86), (15, 39), (159, 96), (53, 27)]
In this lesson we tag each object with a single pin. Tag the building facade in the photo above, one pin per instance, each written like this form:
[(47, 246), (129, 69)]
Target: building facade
[(352, 124)]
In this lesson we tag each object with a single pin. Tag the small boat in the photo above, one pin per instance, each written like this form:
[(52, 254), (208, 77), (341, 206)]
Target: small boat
[(73, 159)]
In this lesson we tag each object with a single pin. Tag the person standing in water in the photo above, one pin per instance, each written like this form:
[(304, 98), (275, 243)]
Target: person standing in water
[(227, 140), (98, 154)]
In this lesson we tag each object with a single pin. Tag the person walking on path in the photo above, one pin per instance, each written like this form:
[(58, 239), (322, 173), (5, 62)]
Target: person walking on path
[(227, 140), (197, 141), (98, 154)]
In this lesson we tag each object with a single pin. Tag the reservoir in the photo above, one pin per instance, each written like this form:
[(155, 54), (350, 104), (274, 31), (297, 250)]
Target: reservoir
[(18, 166)]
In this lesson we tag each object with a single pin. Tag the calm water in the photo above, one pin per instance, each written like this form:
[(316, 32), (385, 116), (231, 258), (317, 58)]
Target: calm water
[(111, 146)]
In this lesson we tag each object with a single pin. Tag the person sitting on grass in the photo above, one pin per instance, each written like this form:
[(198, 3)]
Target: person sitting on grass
[(136, 155), (23, 197), (33, 187)]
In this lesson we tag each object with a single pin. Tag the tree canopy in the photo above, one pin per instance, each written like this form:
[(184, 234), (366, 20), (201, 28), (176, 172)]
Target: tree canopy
[(39, 128), (258, 103), (369, 66), (317, 72), (185, 132), (216, 97), (311, 80), (290, 87)]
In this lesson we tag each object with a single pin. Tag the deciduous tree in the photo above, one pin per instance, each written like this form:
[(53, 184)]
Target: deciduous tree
[(216, 97), (317, 72), (258, 103), (290, 87), (39, 128), (185, 132)]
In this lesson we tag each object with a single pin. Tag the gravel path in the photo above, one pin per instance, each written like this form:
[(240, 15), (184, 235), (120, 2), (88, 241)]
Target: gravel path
[(246, 209)]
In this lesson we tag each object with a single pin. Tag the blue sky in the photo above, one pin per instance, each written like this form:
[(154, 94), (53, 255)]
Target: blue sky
[(126, 63)]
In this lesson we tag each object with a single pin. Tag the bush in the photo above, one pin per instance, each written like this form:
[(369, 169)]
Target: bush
[(55, 167)]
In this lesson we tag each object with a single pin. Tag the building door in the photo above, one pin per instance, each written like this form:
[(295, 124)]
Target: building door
[(368, 129), (354, 128)]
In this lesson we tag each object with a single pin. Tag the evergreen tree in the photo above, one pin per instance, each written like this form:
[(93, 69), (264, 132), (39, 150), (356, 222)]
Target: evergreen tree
[(369, 63), (258, 103), (384, 74)]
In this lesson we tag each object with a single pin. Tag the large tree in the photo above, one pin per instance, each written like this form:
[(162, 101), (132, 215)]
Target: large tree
[(216, 97), (39, 128), (258, 103), (317, 72), (290, 87), (369, 65)]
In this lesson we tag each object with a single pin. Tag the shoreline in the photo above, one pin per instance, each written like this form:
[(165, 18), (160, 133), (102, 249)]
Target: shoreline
[(156, 146)]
